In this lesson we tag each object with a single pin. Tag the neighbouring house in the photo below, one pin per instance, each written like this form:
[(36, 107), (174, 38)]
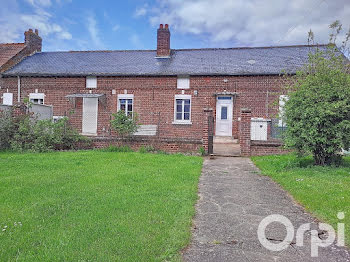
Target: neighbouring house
[(221, 99)]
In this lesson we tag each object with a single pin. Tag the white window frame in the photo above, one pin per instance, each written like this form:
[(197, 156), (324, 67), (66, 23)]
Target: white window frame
[(183, 122), (281, 103), (91, 82), (126, 96), (7, 99), (37, 96), (183, 82)]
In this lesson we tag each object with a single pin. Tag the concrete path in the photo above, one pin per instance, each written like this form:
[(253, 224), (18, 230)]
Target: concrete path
[(234, 198)]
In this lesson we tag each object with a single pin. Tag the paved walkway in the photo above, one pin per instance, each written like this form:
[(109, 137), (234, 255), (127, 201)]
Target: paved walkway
[(234, 198)]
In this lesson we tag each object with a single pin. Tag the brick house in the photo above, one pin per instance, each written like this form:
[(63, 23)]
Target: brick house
[(182, 97)]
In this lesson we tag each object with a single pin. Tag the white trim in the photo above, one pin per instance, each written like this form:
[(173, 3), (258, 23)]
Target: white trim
[(37, 96), (182, 122), (125, 96), (91, 82)]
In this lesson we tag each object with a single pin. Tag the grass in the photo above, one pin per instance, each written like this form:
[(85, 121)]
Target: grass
[(324, 191), (96, 206)]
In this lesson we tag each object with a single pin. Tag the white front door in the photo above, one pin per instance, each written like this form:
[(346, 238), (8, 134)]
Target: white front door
[(90, 108), (224, 110)]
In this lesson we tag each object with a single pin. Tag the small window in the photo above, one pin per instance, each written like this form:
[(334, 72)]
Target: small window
[(91, 82), (126, 104), (37, 98), (224, 113), (183, 82), (7, 99), (182, 109)]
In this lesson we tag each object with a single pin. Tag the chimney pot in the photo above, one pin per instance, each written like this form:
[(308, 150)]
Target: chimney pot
[(166, 26), (30, 30), (36, 31), (161, 26)]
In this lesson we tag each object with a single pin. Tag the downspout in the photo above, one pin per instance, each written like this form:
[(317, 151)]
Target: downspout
[(18, 89)]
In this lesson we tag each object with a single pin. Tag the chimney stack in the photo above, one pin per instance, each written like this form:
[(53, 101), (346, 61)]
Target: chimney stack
[(33, 40), (163, 41)]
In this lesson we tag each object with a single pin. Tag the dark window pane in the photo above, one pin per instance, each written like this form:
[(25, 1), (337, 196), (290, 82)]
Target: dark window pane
[(179, 108), (224, 112), (187, 102), (224, 98), (186, 116), (122, 107), (129, 107), (178, 116), (187, 108), (178, 101), (122, 101), (130, 101)]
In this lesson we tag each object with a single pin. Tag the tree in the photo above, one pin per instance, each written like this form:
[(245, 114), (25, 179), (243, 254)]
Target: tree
[(317, 112), (123, 124)]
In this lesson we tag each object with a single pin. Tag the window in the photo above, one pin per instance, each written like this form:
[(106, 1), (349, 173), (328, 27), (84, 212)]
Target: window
[(7, 99), (91, 82), (223, 112), (183, 82), (126, 103), (282, 101), (182, 110), (37, 98)]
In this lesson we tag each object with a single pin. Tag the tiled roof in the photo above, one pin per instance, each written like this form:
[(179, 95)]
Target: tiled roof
[(7, 51), (222, 61)]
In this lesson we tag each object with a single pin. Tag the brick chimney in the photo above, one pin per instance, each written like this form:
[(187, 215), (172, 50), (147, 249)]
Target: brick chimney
[(163, 41), (33, 40)]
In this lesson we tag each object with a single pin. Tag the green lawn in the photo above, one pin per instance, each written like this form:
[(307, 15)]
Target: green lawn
[(324, 191), (96, 206)]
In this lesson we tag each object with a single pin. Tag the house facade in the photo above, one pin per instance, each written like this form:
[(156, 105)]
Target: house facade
[(182, 97)]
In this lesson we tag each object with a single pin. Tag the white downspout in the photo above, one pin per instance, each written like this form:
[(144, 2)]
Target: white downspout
[(18, 89)]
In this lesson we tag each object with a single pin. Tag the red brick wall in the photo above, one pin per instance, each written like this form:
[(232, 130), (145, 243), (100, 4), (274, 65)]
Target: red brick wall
[(154, 98), (262, 148)]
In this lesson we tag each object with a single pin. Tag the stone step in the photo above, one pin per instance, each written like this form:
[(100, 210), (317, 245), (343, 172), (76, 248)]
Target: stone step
[(225, 140)]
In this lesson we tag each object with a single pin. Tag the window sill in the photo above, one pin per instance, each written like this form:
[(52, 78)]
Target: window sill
[(182, 123)]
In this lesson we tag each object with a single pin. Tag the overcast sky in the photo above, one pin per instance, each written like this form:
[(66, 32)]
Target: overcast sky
[(95, 25)]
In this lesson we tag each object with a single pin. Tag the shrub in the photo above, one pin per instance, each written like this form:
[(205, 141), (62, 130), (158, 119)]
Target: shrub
[(202, 151), (24, 133), (123, 124), (318, 110), (6, 129)]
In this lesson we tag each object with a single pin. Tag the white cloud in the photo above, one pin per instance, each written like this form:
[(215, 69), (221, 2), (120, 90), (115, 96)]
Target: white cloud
[(13, 23), (251, 22), (116, 28), (93, 30), (141, 11), (38, 3)]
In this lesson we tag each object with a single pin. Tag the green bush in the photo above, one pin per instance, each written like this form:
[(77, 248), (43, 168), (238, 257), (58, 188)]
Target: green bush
[(202, 151), (24, 133), (7, 129), (123, 124)]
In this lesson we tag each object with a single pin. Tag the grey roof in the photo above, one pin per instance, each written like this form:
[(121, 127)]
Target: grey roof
[(222, 61)]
